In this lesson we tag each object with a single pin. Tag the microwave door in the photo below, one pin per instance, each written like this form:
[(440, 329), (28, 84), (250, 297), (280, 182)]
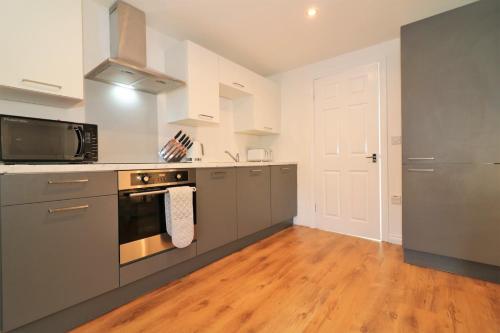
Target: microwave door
[(38, 140)]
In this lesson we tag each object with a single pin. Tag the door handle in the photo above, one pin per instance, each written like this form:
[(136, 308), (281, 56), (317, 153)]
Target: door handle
[(67, 209), (74, 181), (218, 174), (421, 158), (238, 84), (420, 170), (373, 157), (201, 115)]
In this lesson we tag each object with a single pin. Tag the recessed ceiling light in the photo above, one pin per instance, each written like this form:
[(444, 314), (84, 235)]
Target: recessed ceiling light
[(311, 12)]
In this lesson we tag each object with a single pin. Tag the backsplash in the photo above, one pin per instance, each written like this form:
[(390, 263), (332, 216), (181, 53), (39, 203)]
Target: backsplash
[(133, 127)]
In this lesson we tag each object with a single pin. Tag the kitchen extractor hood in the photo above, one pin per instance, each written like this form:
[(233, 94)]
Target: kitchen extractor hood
[(127, 65)]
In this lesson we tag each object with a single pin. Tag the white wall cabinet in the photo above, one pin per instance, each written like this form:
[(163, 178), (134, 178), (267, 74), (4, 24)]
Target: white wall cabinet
[(259, 113), (235, 81), (41, 60), (198, 102)]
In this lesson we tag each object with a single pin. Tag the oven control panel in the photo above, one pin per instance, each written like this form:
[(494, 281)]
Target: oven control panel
[(158, 177), (135, 179)]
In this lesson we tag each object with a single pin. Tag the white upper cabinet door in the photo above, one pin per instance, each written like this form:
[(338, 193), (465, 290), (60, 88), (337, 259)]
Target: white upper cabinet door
[(197, 103), (41, 60), (268, 107), (236, 81), (259, 114)]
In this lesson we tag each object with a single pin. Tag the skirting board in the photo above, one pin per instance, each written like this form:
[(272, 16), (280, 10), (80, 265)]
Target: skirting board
[(81, 313), (453, 265)]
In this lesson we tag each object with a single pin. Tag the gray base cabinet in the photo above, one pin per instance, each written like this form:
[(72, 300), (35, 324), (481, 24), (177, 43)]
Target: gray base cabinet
[(283, 193), (215, 208), (59, 242), (452, 210), (51, 261), (253, 199)]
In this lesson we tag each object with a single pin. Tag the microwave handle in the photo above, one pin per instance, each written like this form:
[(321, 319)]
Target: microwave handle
[(81, 141)]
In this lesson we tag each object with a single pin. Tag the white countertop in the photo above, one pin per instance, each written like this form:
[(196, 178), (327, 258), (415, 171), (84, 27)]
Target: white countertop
[(38, 168)]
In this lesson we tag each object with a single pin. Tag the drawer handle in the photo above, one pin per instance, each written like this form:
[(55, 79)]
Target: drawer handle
[(238, 84), (205, 116), (41, 85), (219, 173), (420, 170), (74, 181), (285, 169), (268, 128), (67, 209), (256, 171)]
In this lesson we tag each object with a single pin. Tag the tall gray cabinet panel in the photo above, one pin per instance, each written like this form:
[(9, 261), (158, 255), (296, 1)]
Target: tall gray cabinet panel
[(451, 135), (253, 199), (451, 79), (452, 210), (51, 261), (215, 208), (283, 193)]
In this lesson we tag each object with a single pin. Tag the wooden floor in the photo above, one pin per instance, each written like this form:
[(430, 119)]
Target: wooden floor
[(305, 280)]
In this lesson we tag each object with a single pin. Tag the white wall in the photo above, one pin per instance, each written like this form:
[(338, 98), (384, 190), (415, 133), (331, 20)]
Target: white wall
[(132, 124), (296, 139)]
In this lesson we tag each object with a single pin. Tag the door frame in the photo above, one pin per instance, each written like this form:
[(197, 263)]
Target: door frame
[(383, 141)]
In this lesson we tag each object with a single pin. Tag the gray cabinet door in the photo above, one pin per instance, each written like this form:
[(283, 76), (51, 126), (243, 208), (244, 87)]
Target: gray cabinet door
[(452, 210), (51, 261), (253, 199), (450, 84), (283, 193), (215, 208)]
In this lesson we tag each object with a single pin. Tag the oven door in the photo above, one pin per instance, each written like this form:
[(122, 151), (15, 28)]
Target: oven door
[(25, 139), (142, 228)]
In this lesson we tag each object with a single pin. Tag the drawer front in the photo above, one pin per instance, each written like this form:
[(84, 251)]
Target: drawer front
[(30, 188), (215, 208), (283, 193), (55, 255), (253, 199), (142, 268)]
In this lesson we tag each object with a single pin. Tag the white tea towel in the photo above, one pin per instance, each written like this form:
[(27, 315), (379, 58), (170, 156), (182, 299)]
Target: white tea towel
[(179, 215)]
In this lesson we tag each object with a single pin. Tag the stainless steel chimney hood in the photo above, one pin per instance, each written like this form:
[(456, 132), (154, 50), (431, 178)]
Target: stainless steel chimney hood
[(127, 65)]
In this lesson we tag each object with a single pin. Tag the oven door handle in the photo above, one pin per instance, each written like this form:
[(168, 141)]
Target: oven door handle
[(141, 194)]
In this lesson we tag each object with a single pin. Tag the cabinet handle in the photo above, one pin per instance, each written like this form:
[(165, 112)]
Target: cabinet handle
[(41, 85), (268, 128), (205, 116), (238, 84), (420, 170), (74, 181), (256, 171), (421, 158), (219, 173), (285, 169), (67, 209)]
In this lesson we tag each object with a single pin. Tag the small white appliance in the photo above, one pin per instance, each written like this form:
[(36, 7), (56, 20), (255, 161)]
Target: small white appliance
[(259, 155), (195, 153)]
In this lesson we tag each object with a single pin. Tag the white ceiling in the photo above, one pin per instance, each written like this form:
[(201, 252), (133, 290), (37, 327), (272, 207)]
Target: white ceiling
[(271, 36)]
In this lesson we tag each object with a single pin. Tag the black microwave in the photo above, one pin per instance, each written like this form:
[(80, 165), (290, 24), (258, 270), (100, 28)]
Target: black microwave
[(24, 140)]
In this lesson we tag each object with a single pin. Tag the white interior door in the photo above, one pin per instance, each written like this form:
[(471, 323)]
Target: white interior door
[(347, 132)]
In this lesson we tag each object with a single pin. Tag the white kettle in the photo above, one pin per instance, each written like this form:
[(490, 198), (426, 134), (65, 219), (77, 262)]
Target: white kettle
[(195, 152)]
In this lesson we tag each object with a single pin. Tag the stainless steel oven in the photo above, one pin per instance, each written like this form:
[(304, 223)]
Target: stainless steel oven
[(141, 210)]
